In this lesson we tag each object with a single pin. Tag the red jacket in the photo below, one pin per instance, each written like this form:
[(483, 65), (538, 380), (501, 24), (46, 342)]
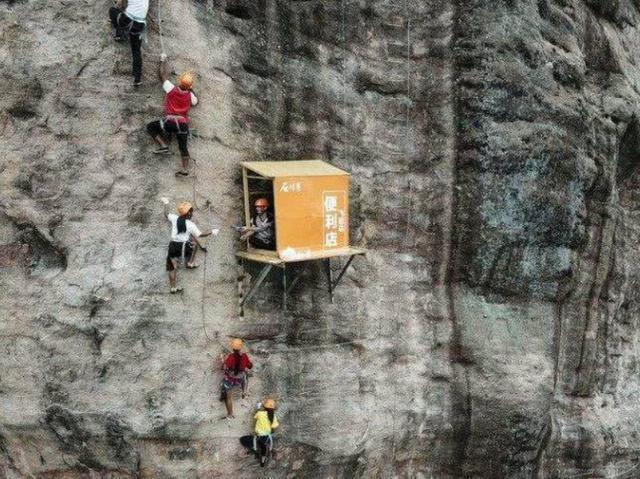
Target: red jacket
[(230, 362), (178, 102)]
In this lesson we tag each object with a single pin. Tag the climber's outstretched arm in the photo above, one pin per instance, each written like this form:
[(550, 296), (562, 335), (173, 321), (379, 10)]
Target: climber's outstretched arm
[(165, 207), (164, 71)]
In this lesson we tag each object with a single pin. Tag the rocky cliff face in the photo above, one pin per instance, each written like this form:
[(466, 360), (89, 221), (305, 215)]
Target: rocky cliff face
[(491, 331)]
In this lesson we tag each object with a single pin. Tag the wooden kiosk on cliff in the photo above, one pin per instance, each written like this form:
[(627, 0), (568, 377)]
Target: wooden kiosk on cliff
[(310, 201)]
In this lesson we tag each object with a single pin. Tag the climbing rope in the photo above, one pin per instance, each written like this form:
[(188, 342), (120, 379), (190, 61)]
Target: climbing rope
[(406, 237), (202, 308), (194, 193), (194, 190), (204, 265), (162, 51)]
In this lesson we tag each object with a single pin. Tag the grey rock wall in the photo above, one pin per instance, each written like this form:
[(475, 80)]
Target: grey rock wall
[(490, 332)]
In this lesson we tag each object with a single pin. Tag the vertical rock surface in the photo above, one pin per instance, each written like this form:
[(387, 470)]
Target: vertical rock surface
[(491, 330)]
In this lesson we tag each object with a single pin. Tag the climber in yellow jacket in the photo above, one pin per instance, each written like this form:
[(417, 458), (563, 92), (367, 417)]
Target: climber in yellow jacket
[(266, 420), (261, 443)]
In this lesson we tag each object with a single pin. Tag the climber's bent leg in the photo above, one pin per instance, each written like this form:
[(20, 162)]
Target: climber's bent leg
[(154, 129), (192, 256), (260, 244), (172, 268), (247, 441)]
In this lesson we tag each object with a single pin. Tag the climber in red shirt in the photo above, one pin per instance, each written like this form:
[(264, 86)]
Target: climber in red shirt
[(177, 103), (235, 367)]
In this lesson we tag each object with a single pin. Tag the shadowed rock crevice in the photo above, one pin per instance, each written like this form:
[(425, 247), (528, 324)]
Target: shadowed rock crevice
[(40, 248), (45, 253), (628, 156)]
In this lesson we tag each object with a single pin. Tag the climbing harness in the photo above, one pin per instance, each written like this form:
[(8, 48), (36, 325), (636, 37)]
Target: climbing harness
[(128, 29), (176, 120)]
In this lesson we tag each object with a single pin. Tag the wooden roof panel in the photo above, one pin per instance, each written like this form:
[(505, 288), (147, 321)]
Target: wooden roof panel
[(275, 169)]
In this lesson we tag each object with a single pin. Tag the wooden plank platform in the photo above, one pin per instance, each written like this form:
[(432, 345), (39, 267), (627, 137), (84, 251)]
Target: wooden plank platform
[(324, 254), (262, 258)]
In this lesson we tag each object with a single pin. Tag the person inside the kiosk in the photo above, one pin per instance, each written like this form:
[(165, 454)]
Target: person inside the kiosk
[(260, 231)]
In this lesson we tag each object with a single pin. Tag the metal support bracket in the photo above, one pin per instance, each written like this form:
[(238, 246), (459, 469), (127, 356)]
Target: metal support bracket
[(288, 285), (284, 287), (295, 280), (341, 274), (254, 287), (327, 266)]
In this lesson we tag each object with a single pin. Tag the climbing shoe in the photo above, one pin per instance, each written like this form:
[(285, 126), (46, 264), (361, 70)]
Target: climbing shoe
[(178, 289), (182, 173), (137, 83), (162, 150)]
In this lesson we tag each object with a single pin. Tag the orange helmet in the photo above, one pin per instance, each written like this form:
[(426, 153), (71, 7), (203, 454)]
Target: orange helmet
[(185, 80), (269, 403), (262, 202), (236, 344), (184, 208)]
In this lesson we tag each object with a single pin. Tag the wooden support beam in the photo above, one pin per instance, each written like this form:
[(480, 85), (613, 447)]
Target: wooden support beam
[(247, 208)]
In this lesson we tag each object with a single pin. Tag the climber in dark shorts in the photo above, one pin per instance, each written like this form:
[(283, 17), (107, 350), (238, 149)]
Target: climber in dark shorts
[(184, 241)]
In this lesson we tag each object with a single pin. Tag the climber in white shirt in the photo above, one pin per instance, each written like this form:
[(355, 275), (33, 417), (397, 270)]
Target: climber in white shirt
[(130, 17)]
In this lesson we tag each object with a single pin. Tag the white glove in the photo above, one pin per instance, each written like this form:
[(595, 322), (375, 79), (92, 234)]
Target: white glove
[(215, 232), (165, 200), (163, 57)]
